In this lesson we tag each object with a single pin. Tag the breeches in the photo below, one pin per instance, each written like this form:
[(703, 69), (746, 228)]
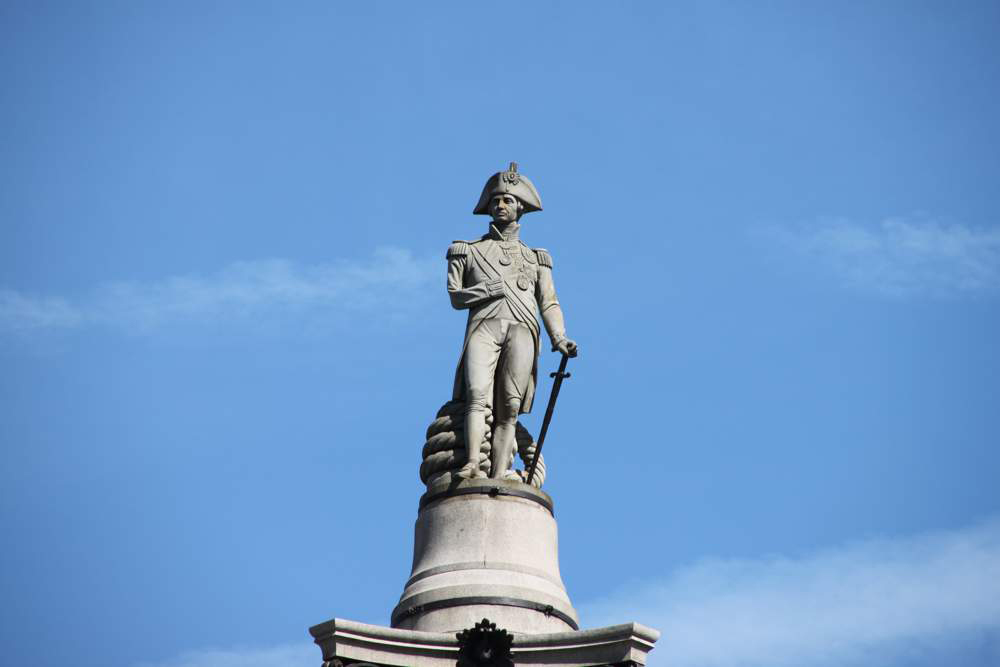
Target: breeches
[(498, 362)]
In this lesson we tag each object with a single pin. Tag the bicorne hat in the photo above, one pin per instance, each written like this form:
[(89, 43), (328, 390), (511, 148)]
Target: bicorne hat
[(509, 182)]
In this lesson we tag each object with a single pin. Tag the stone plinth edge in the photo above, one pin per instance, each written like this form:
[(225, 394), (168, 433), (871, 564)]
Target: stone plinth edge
[(345, 642), (488, 487)]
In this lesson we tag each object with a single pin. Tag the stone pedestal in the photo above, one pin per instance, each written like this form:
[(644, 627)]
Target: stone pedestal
[(485, 548)]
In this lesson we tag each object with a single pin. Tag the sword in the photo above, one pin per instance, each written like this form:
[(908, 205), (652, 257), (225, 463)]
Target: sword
[(559, 376)]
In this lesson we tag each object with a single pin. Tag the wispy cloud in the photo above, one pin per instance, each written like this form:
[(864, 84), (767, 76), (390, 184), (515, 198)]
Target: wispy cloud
[(877, 602), (899, 257), (928, 600), (388, 280), (291, 655), (20, 313)]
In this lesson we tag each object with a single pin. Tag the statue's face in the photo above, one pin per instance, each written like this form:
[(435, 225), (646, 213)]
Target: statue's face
[(505, 208)]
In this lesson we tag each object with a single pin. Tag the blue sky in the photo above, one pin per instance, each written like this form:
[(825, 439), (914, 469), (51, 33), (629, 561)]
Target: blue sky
[(224, 328)]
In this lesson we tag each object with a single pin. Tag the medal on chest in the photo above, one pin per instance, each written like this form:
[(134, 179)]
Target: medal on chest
[(506, 253), (510, 255)]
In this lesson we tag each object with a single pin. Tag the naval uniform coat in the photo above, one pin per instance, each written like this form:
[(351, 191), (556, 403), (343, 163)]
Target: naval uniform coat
[(493, 277)]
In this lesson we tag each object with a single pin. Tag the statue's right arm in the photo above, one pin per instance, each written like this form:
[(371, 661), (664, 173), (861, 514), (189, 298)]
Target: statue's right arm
[(467, 297)]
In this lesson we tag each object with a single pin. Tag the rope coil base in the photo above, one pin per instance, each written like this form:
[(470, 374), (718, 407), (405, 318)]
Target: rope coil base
[(444, 451)]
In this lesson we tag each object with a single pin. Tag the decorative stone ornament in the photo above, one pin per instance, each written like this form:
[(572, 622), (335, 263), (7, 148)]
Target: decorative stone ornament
[(512, 176), (483, 645)]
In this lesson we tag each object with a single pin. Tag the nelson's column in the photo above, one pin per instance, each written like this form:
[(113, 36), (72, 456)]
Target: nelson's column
[(485, 587)]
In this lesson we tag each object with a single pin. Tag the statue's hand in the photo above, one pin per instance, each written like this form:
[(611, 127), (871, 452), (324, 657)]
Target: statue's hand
[(495, 287), (567, 347)]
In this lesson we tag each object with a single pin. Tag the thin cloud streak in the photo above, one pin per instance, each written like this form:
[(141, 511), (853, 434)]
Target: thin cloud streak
[(23, 314), (899, 257), (390, 279), (870, 603)]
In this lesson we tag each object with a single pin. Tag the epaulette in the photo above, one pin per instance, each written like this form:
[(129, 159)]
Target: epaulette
[(458, 249), (544, 258)]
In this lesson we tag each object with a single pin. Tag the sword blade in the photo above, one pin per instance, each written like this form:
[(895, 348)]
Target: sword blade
[(559, 376)]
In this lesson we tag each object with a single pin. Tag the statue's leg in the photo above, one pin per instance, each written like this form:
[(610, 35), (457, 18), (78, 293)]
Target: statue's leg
[(513, 377), (481, 355)]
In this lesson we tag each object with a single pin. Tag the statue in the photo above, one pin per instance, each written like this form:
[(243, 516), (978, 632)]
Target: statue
[(502, 283), (485, 540)]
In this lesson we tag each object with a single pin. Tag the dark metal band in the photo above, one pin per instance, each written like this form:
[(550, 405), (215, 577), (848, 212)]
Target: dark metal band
[(547, 609), (492, 491)]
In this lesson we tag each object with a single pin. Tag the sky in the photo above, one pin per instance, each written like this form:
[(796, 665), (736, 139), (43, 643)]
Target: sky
[(775, 232)]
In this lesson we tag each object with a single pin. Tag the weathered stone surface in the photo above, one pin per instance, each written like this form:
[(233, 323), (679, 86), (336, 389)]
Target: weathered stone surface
[(350, 641), (485, 549)]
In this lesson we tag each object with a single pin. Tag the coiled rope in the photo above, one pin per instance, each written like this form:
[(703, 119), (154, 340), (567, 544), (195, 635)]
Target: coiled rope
[(444, 451)]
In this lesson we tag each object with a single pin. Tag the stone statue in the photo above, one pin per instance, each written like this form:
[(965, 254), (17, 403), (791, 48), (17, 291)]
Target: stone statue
[(485, 540), (502, 283)]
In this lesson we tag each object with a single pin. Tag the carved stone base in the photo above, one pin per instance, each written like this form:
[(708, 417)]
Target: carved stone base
[(351, 644), (485, 548)]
